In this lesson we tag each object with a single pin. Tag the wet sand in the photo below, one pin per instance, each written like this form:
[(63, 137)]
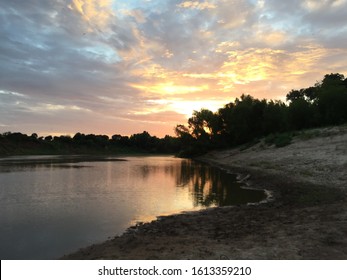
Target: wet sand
[(306, 217)]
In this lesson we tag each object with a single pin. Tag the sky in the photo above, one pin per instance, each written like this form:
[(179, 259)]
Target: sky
[(124, 67)]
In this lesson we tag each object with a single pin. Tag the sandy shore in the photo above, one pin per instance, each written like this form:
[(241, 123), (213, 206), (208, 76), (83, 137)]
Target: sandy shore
[(306, 219)]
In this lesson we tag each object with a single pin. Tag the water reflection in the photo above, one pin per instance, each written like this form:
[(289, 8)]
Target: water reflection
[(54, 205), (208, 186), (32, 163)]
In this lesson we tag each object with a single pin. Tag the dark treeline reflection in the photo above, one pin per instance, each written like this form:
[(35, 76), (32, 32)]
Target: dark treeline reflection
[(210, 186), (32, 163), (207, 185)]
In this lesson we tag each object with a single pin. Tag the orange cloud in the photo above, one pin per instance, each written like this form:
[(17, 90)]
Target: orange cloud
[(169, 88), (96, 12), (265, 72), (197, 5)]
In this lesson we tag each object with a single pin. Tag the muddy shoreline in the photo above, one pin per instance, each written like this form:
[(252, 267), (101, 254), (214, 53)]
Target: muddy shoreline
[(306, 219)]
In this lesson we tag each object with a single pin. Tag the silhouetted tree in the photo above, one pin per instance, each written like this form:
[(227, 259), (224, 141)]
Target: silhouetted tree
[(300, 114), (295, 95), (275, 118), (332, 99), (248, 118)]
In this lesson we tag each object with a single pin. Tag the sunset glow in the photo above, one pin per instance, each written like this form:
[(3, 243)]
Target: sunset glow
[(122, 67)]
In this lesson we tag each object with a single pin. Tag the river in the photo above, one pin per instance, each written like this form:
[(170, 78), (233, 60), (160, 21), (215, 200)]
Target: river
[(53, 205)]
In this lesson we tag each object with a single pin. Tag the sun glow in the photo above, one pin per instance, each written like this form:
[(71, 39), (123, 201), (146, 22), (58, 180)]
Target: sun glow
[(170, 88), (186, 107)]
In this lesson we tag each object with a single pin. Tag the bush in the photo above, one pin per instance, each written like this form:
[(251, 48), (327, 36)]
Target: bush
[(270, 139), (283, 140), (279, 140)]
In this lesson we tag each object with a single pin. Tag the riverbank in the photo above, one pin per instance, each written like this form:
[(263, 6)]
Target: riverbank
[(306, 219)]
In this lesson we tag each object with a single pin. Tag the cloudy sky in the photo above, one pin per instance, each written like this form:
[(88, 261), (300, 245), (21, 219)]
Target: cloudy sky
[(122, 67)]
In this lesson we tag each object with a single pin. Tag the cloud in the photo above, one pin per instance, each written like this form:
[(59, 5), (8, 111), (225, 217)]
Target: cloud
[(312, 5), (97, 13), (170, 88), (197, 5), (136, 14), (121, 66), (163, 117)]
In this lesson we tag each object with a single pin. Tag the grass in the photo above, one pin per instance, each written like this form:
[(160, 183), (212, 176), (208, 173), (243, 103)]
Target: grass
[(327, 131), (279, 140), (309, 134)]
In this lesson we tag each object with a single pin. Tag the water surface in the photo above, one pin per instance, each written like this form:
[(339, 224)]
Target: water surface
[(53, 205)]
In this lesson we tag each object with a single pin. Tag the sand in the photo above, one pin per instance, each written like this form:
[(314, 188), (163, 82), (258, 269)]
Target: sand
[(305, 216)]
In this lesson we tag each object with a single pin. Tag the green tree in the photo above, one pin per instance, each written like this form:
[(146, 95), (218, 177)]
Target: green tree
[(275, 118), (202, 124), (332, 99), (300, 114), (295, 94), (244, 119)]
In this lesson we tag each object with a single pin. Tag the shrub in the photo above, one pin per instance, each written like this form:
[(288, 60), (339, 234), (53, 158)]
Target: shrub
[(283, 140)]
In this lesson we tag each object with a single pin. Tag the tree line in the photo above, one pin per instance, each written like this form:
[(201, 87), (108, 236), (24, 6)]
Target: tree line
[(245, 120), (248, 119), (19, 143)]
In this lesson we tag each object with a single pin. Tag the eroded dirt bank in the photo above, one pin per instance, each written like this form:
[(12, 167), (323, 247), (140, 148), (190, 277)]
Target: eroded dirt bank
[(307, 219)]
